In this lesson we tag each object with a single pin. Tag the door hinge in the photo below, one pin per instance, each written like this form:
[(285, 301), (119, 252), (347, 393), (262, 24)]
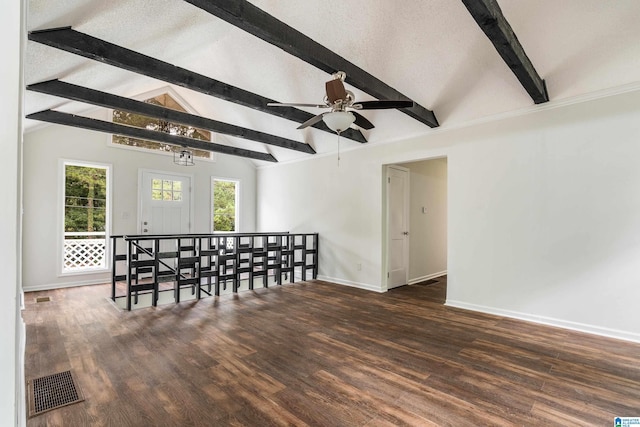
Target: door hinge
[(387, 274), (388, 180)]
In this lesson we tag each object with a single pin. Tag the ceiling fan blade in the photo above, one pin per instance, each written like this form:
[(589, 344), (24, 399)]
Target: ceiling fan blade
[(312, 121), (361, 121), (292, 104), (382, 105), (335, 91)]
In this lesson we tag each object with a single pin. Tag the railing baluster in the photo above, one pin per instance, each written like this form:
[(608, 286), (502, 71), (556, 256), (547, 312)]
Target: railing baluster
[(176, 288), (236, 261), (113, 268), (156, 266), (316, 258)]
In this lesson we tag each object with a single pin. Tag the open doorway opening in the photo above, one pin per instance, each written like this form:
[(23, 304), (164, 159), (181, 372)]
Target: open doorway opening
[(426, 223)]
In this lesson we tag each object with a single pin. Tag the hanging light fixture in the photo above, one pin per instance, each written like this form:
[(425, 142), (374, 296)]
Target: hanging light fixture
[(183, 157), (338, 121)]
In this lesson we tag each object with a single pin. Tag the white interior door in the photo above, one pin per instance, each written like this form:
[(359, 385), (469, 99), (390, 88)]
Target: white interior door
[(165, 203), (397, 226)]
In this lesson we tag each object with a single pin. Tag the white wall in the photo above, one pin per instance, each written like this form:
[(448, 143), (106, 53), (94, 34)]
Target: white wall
[(42, 220), (11, 332), (428, 228), (340, 202), (543, 212)]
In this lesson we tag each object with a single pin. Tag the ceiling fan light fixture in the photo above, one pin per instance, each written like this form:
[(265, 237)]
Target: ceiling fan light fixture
[(338, 121)]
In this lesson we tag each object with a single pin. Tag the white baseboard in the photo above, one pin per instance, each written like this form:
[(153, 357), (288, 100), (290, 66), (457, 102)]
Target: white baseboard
[(358, 285), (427, 277), (49, 286), (550, 321)]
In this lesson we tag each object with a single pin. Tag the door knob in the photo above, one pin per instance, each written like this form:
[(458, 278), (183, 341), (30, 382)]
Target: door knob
[(406, 233), (144, 230)]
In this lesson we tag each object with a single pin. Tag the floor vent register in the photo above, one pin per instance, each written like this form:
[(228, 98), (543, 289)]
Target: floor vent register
[(52, 392)]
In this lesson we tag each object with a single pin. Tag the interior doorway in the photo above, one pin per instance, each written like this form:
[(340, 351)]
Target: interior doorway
[(426, 250)]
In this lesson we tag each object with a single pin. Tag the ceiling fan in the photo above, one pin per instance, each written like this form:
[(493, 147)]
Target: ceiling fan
[(344, 108)]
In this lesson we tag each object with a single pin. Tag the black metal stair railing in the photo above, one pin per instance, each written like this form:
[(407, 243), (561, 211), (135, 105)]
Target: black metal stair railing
[(207, 263)]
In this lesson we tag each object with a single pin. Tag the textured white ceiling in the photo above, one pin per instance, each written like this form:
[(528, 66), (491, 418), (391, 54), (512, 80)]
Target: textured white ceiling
[(432, 51)]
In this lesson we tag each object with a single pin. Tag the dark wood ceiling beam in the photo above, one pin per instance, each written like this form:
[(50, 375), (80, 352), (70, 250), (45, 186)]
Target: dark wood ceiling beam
[(253, 20), (67, 119), (107, 100), (489, 17), (90, 47)]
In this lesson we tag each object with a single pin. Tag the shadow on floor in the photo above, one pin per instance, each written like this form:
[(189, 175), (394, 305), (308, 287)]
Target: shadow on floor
[(433, 289)]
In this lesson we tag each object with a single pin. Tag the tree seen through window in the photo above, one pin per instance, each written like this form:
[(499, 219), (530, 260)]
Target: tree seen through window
[(145, 122), (224, 205), (85, 199), (85, 217)]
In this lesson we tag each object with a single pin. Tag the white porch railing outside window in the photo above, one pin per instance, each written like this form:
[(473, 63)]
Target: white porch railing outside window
[(84, 251)]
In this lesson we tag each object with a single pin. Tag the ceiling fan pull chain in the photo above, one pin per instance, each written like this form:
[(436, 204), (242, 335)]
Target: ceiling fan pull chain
[(338, 148)]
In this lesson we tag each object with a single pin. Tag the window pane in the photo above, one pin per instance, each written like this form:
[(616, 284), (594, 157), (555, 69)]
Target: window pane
[(85, 198), (167, 190), (75, 219), (71, 201), (224, 205), (145, 122), (85, 218)]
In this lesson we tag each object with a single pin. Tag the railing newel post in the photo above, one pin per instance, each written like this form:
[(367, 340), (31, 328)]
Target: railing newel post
[(129, 267)]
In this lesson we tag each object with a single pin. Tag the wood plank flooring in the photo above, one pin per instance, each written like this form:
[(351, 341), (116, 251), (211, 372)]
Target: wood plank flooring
[(320, 354)]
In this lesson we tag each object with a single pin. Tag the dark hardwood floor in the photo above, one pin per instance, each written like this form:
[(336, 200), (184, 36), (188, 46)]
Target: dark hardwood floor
[(316, 353)]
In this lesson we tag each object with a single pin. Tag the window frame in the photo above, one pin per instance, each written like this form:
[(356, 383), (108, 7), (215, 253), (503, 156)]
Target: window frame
[(62, 164), (238, 183)]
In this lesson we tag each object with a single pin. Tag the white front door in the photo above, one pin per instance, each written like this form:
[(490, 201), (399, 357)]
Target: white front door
[(165, 203), (397, 226)]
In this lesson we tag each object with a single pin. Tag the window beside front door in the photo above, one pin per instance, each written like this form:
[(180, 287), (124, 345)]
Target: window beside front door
[(86, 217), (224, 206)]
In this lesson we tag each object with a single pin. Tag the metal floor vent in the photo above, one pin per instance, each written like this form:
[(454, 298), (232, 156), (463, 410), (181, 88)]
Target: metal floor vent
[(43, 299), (51, 392)]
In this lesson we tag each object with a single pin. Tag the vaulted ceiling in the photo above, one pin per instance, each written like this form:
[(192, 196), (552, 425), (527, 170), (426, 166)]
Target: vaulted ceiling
[(459, 61)]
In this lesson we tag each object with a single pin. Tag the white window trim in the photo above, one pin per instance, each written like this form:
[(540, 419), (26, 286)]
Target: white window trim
[(238, 202), (183, 103), (62, 163)]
